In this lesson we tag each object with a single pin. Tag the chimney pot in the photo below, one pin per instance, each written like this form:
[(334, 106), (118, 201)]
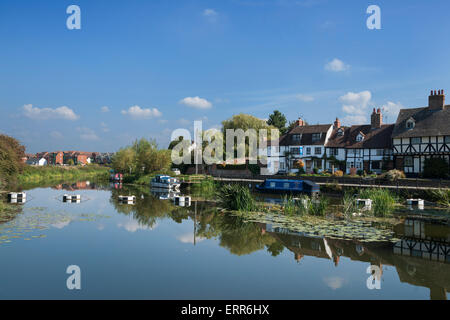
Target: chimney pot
[(436, 101)]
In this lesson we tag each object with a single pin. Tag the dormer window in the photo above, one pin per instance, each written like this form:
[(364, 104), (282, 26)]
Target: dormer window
[(410, 124), (359, 137), (316, 137), (340, 133)]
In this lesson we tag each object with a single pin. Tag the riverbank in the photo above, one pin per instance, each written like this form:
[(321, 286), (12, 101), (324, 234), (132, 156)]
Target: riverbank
[(32, 174)]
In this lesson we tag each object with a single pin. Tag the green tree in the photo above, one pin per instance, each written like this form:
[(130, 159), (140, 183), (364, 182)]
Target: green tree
[(11, 154), (278, 120)]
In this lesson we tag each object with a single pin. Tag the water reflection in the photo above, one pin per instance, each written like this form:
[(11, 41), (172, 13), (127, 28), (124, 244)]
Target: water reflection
[(421, 257)]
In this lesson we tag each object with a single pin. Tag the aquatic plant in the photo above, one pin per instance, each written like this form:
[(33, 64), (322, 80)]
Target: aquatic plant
[(305, 206), (348, 205), (383, 201), (236, 197), (441, 196), (206, 188), (318, 207)]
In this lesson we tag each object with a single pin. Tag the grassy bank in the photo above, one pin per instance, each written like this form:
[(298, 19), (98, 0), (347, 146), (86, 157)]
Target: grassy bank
[(33, 174)]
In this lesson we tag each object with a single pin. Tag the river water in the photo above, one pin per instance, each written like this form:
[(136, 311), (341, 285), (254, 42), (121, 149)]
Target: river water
[(155, 250)]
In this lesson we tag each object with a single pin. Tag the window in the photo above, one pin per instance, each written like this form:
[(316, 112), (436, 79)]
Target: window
[(282, 165), (409, 162), (410, 124), (416, 140), (318, 150), (447, 139), (315, 137), (359, 165), (308, 151), (340, 133), (379, 152), (359, 138), (297, 151), (272, 184), (333, 151), (296, 137), (286, 185)]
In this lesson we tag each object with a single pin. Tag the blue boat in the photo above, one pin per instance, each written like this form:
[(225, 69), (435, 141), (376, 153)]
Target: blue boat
[(289, 186)]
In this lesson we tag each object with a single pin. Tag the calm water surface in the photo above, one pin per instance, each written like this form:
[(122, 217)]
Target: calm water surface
[(154, 250)]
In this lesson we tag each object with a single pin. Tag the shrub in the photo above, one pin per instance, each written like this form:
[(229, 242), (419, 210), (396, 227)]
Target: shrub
[(383, 201), (316, 170), (338, 173), (236, 197), (393, 175), (435, 168), (441, 196)]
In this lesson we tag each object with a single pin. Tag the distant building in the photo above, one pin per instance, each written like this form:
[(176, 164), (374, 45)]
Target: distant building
[(307, 143), (365, 147), (422, 133)]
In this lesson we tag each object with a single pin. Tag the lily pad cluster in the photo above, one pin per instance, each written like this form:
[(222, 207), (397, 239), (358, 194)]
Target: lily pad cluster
[(363, 231), (31, 224)]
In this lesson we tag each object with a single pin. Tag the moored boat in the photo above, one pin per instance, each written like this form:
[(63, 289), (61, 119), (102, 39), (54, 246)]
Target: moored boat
[(288, 186), (165, 182)]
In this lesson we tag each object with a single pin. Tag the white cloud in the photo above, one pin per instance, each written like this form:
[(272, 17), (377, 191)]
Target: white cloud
[(336, 65), (390, 111), (104, 109), (63, 112), (209, 13), (132, 226), (355, 106), (87, 134), (189, 238), (196, 102), (137, 112), (56, 135), (335, 282), (305, 98)]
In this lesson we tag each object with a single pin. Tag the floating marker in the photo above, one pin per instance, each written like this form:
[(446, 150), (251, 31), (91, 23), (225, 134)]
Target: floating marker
[(127, 199), (365, 203), (182, 201), (416, 203), (72, 198), (17, 197)]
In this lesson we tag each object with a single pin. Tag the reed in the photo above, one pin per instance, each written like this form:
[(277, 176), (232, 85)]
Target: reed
[(441, 196), (383, 201), (236, 197)]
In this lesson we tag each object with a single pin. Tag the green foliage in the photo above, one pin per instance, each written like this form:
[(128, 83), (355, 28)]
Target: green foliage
[(11, 154), (236, 197), (278, 120), (435, 168), (383, 201), (206, 188), (441, 196), (305, 206), (49, 173), (142, 158)]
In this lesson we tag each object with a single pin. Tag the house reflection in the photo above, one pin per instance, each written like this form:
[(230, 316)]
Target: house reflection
[(421, 257)]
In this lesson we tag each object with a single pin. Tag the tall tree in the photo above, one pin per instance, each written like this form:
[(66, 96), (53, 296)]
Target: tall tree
[(278, 120)]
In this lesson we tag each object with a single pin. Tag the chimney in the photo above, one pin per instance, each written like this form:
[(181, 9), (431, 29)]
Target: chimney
[(337, 124), (376, 120), (300, 122), (436, 101)]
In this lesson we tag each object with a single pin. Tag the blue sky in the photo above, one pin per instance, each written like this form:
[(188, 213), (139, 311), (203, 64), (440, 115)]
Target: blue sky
[(159, 65)]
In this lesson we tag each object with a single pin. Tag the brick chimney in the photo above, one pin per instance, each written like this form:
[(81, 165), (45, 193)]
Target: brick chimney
[(436, 100), (337, 124), (300, 122), (376, 120)]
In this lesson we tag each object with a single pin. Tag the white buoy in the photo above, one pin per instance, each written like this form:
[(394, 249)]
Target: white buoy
[(17, 197), (127, 199), (415, 202), (72, 198), (182, 201), (365, 203)]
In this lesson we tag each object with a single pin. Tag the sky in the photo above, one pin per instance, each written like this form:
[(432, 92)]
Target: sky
[(144, 68)]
